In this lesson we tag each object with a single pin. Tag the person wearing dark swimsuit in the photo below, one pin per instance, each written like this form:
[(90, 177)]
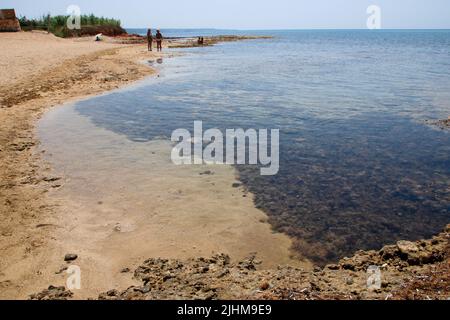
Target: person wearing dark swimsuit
[(159, 40)]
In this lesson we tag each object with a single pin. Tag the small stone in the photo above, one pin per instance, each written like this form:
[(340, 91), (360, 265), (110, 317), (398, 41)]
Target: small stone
[(204, 270), (143, 290), (70, 257), (264, 286), (236, 185), (112, 293), (223, 273), (349, 281), (348, 266), (333, 267), (167, 277), (407, 247)]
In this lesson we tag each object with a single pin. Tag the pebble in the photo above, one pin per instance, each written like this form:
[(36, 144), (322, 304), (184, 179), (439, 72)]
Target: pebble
[(70, 257), (349, 281), (264, 286)]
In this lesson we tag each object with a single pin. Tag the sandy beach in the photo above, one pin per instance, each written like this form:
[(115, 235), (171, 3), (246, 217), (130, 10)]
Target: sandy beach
[(43, 220)]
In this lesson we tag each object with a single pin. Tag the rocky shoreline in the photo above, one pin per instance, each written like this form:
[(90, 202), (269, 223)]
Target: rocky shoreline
[(409, 270)]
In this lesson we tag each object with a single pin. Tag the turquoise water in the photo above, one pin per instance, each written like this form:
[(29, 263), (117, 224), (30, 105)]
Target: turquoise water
[(359, 168)]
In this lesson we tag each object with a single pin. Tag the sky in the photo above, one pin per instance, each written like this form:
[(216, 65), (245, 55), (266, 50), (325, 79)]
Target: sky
[(250, 14)]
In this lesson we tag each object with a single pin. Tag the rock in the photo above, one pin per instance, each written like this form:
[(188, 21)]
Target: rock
[(248, 263), (349, 281), (143, 290), (348, 266), (388, 253), (204, 270), (112, 293), (407, 247), (223, 273), (52, 293), (317, 269), (264, 285), (415, 255), (125, 270), (167, 277), (236, 185), (70, 257), (333, 267)]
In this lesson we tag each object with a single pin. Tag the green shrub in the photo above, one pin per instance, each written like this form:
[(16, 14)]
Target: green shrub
[(58, 24)]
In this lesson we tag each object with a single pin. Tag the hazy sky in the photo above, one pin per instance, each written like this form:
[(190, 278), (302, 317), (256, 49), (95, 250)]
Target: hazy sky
[(250, 14)]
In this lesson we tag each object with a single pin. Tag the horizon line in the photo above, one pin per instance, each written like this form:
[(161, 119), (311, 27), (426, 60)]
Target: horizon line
[(294, 29)]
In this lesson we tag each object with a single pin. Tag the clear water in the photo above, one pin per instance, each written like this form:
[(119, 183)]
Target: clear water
[(359, 168)]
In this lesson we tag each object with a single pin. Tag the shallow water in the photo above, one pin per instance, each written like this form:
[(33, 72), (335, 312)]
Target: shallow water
[(358, 169)]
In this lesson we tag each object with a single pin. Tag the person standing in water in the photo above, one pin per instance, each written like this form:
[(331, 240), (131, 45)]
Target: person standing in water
[(159, 39), (150, 39)]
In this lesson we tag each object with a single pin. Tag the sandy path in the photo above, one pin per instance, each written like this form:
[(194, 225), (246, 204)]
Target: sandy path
[(41, 221)]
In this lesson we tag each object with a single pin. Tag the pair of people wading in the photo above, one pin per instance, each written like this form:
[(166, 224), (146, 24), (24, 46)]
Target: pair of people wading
[(159, 40)]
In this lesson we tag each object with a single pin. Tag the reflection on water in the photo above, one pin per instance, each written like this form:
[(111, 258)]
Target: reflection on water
[(358, 169)]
